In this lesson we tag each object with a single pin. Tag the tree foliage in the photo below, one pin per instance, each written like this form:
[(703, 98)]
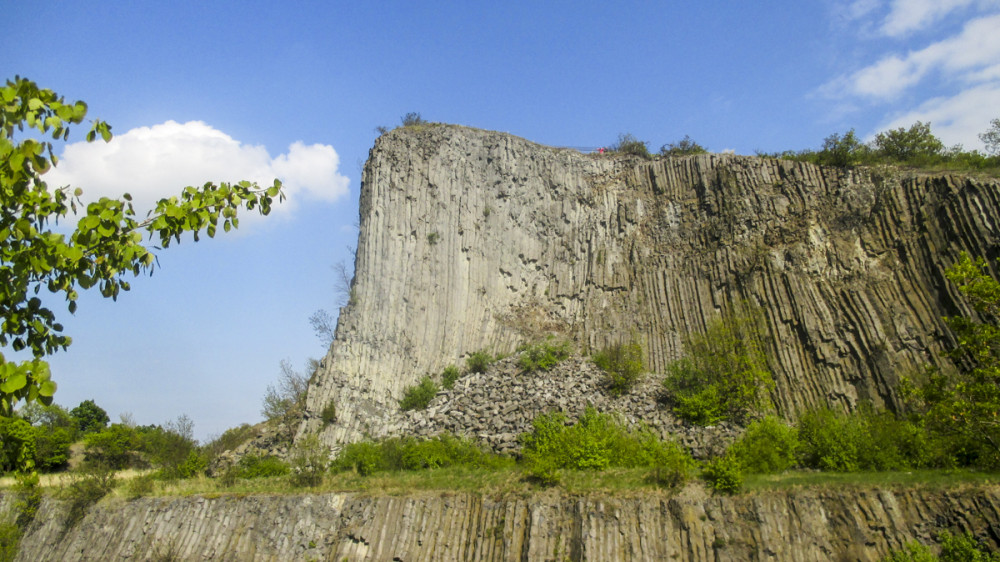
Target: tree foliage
[(965, 403), (904, 145), (90, 417), (102, 251), (724, 374), (683, 147), (991, 137), (290, 395)]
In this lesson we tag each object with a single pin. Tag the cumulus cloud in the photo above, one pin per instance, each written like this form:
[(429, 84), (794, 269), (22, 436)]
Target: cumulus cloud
[(972, 55), (155, 162), (907, 16)]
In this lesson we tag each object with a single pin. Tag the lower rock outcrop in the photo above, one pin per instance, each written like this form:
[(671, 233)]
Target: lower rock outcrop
[(854, 524)]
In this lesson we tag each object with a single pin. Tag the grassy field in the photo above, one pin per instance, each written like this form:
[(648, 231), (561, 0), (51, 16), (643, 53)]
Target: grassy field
[(512, 481)]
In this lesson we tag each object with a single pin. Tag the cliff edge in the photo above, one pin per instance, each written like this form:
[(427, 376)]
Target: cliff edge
[(474, 240)]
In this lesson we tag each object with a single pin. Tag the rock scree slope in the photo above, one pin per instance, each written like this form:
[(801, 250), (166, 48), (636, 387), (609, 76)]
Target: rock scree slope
[(474, 240)]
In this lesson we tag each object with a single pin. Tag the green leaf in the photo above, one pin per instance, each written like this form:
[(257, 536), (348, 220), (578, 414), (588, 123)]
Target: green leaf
[(15, 382)]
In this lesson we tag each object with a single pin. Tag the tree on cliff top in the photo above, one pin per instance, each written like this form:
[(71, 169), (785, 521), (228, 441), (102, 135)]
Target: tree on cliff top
[(103, 249)]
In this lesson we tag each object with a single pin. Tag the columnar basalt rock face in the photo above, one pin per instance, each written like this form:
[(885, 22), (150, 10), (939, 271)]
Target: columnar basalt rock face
[(479, 240), (858, 525)]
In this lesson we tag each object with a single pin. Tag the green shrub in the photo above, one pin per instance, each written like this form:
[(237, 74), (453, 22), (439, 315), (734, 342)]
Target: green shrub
[(623, 364), (228, 441), (412, 119), (544, 355), (596, 442), (829, 441), (449, 376), (724, 375), (628, 144), (114, 448), (768, 446), (683, 147), (964, 548), (253, 466), (724, 474), (52, 447), (478, 362), (433, 238), (842, 151), (10, 541), (329, 413), (909, 145), (418, 397), (17, 445), (912, 551), (87, 489), (408, 453), (140, 486), (309, 461)]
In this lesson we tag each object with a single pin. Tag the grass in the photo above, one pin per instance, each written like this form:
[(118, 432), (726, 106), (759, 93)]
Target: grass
[(511, 480)]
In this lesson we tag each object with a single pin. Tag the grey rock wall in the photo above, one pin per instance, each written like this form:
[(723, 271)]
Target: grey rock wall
[(805, 525), (480, 240)]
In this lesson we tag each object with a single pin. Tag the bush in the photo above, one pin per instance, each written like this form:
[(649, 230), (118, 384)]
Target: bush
[(418, 397), (478, 362), (309, 461), (543, 356), (683, 147), (902, 145), (288, 398), (412, 119), (842, 151), (596, 442), (768, 446), (140, 486), (724, 375), (449, 376), (628, 144), (408, 453), (17, 445), (329, 413), (954, 548), (253, 466), (114, 448), (86, 490), (623, 364), (229, 440), (724, 474), (52, 447)]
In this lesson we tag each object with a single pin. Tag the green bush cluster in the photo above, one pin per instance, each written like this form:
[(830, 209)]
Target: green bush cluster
[(544, 355), (255, 466), (419, 396), (308, 462), (623, 363), (683, 147), (449, 376), (724, 375), (954, 548), (628, 144), (768, 446), (479, 361), (409, 453), (724, 474), (914, 146), (598, 441)]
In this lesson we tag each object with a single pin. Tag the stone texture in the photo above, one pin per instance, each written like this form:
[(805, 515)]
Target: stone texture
[(804, 525), (480, 240)]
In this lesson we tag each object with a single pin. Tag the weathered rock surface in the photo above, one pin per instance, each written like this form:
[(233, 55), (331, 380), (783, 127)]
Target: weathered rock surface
[(805, 525), (479, 240)]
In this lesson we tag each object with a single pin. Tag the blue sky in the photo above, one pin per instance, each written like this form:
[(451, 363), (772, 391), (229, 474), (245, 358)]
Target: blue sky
[(216, 91)]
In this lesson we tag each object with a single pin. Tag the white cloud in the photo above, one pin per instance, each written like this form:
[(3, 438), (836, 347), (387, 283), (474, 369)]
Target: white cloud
[(968, 58), (907, 16), (155, 162)]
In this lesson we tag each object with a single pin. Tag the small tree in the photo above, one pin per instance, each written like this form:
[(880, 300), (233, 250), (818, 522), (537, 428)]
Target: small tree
[(904, 145), (90, 417), (290, 394), (724, 375), (412, 119), (683, 147), (841, 151), (628, 144), (991, 138), (965, 403)]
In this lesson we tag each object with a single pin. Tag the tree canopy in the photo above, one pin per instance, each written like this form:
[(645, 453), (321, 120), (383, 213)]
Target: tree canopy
[(104, 249)]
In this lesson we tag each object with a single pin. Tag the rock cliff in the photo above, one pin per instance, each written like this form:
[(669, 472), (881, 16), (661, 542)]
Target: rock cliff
[(481, 240), (854, 524)]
